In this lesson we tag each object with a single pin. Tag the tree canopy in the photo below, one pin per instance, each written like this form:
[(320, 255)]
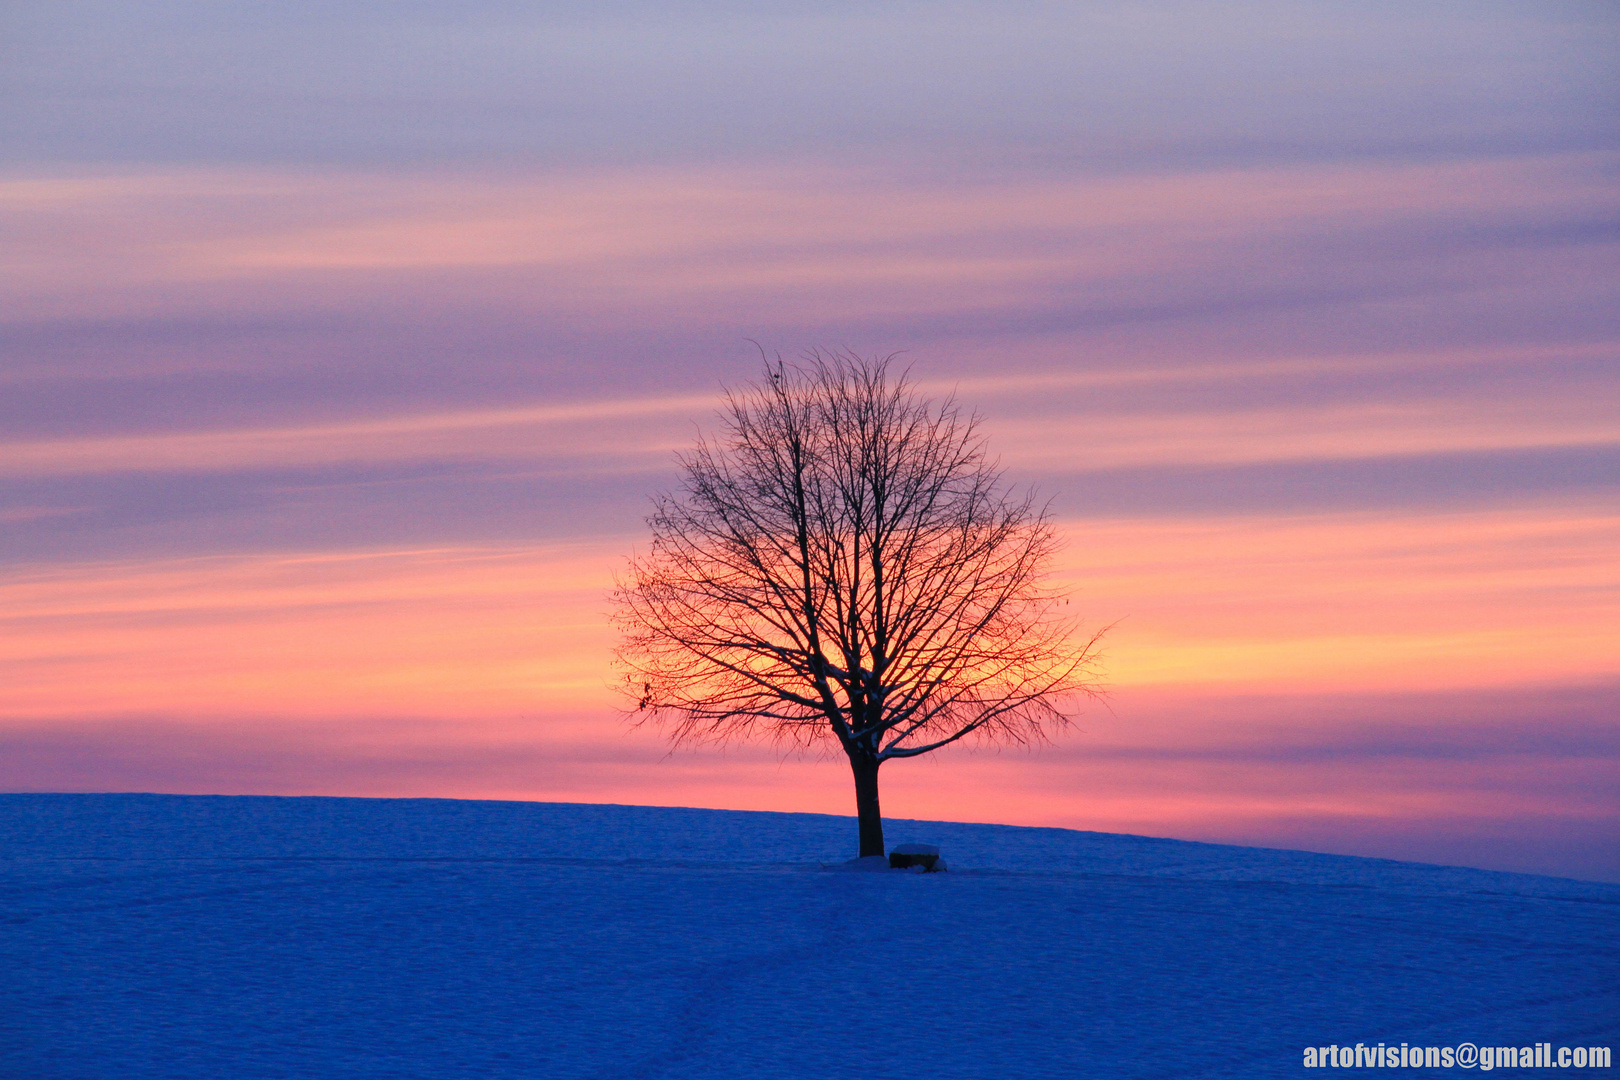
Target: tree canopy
[(844, 563)]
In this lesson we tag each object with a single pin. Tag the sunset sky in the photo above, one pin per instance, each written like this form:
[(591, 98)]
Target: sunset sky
[(343, 345)]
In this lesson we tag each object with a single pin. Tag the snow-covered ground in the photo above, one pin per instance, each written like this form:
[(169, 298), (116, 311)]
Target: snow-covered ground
[(233, 937)]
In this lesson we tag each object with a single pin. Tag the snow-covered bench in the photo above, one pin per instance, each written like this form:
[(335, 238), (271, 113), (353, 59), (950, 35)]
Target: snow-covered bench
[(916, 856)]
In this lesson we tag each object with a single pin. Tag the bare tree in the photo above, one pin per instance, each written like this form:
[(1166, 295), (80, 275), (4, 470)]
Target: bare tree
[(846, 564)]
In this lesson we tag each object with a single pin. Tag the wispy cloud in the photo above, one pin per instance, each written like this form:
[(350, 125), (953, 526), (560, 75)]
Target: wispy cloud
[(1054, 435), (555, 432), (788, 239)]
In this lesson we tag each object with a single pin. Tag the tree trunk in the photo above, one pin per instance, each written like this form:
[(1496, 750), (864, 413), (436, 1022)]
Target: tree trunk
[(866, 803)]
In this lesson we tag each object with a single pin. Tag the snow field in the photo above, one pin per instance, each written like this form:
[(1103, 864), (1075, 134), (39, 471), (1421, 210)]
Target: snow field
[(236, 937)]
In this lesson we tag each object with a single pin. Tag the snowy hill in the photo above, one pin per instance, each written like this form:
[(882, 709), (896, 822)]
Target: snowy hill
[(232, 937)]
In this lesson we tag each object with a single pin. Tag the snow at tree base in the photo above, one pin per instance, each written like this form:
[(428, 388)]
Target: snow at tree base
[(236, 937)]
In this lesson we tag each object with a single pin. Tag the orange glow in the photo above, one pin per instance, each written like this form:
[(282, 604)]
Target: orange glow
[(1322, 603), (473, 633), (1365, 601)]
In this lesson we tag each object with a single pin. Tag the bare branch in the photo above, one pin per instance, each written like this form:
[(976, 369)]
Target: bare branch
[(845, 562)]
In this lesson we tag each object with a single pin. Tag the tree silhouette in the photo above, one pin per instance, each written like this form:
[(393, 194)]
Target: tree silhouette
[(845, 564)]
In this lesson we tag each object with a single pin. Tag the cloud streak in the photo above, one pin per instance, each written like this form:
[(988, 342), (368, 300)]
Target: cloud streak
[(462, 435), (789, 241), (1078, 441)]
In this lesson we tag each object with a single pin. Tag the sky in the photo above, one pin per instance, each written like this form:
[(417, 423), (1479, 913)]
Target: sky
[(342, 346)]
